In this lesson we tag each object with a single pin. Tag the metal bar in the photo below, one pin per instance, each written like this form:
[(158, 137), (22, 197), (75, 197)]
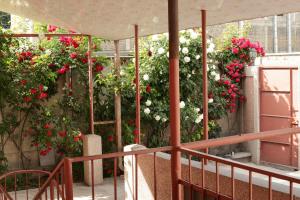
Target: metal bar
[(26, 35), (190, 178), (93, 179), (52, 190), (91, 88), (155, 182), (270, 187), (232, 183), (15, 186), (133, 179), (240, 138), (137, 86), (57, 185), (115, 179), (174, 95), (291, 190), (204, 72), (289, 32), (239, 165), (104, 122), (292, 116), (203, 177), (62, 183), (217, 178), (136, 178), (275, 32), (26, 180), (250, 185), (275, 116), (276, 92), (68, 178), (278, 68)]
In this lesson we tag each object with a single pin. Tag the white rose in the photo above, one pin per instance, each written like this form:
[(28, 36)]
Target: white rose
[(122, 73), (147, 111), (185, 50), (182, 40), (187, 59), (197, 57), (161, 50), (197, 110), (211, 100), (151, 49), (163, 119), (194, 35), (199, 119), (193, 71), (148, 103), (188, 76), (168, 54), (211, 48), (146, 77), (157, 117), (182, 104), (217, 77)]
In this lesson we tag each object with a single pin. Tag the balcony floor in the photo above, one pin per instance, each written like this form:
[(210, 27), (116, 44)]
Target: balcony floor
[(104, 191)]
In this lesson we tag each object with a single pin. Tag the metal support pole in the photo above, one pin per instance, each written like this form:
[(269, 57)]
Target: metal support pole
[(118, 118), (137, 86), (289, 32), (174, 96), (91, 92), (275, 34), (68, 178), (204, 72)]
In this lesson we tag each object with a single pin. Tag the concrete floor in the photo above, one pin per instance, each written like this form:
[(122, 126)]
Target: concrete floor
[(104, 191)]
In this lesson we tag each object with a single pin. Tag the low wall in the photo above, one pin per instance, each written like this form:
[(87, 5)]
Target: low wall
[(163, 166)]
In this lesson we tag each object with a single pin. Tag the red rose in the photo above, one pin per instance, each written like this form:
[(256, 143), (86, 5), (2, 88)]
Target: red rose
[(135, 132), (51, 28), (93, 60), (43, 95), (99, 68), (76, 139), (210, 95), (75, 44), (62, 133), (27, 99), (61, 70), (49, 133), (148, 88), (237, 80), (235, 50), (223, 93), (110, 138), (33, 91), (84, 60), (46, 126), (23, 82), (73, 55)]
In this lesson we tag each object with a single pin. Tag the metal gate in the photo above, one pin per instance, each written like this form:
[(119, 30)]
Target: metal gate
[(279, 97)]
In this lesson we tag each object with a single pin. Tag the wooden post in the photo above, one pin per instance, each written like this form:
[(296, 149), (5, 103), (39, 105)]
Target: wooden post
[(174, 96)]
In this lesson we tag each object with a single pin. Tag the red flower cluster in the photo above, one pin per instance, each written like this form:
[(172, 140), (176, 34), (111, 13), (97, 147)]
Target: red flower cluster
[(52, 28), (69, 41), (64, 69), (243, 43), (25, 55), (62, 133), (148, 88), (37, 93), (110, 138), (99, 68), (77, 137), (235, 71)]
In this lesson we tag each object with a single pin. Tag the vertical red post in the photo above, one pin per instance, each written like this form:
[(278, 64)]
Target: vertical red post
[(137, 86), (68, 178), (174, 96), (204, 72), (91, 92)]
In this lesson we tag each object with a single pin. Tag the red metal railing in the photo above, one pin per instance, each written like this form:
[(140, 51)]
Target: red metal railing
[(206, 192), (9, 184)]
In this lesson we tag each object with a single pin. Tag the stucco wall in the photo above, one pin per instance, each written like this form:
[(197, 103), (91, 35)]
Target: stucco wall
[(163, 167)]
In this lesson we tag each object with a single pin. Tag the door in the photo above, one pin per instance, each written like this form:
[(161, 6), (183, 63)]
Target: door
[(279, 91)]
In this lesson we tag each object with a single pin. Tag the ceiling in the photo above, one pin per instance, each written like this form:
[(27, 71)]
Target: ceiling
[(115, 19)]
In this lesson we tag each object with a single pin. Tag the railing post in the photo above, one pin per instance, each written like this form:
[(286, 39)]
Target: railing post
[(174, 96), (52, 184), (68, 178)]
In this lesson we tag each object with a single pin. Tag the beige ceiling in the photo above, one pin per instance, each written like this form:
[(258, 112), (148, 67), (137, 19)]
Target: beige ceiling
[(114, 19)]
